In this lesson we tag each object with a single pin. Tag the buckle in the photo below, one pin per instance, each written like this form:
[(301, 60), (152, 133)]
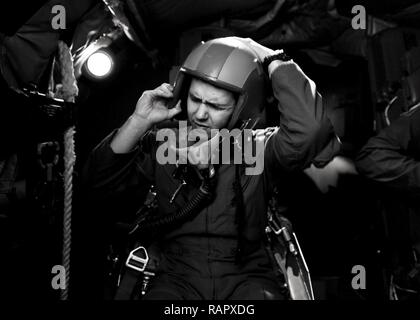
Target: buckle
[(275, 226), (138, 259)]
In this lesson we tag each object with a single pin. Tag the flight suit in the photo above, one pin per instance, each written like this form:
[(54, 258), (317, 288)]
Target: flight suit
[(198, 257)]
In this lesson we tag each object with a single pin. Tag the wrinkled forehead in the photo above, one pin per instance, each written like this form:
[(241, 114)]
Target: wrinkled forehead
[(211, 93)]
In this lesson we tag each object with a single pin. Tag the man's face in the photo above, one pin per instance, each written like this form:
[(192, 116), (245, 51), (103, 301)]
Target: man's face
[(209, 107)]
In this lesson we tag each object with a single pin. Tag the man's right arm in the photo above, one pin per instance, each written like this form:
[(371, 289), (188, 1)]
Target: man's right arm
[(118, 161), (107, 172), (128, 136)]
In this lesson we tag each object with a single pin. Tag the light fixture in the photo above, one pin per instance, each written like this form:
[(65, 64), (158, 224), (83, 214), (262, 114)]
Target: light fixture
[(99, 64)]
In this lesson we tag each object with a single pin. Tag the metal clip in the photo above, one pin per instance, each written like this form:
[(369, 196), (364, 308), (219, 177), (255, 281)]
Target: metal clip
[(276, 226), (138, 259)]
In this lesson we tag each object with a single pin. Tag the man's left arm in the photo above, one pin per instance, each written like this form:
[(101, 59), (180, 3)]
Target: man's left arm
[(305, 134)]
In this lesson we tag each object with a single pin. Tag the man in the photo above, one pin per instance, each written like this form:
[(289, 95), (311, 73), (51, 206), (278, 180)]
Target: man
[(392, 159), (216, 250), (393, 156)]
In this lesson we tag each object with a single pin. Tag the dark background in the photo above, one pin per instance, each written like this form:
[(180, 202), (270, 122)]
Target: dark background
[(356, 71)]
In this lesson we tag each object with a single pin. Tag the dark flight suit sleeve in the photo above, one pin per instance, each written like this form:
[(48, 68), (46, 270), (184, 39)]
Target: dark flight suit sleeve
[(305, 134), (106, 172), (393, 156)]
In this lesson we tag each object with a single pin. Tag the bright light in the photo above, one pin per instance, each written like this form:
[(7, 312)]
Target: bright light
[(99, 64)]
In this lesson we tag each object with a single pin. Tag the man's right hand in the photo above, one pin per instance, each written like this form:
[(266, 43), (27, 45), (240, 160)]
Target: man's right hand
[(152, 107)]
